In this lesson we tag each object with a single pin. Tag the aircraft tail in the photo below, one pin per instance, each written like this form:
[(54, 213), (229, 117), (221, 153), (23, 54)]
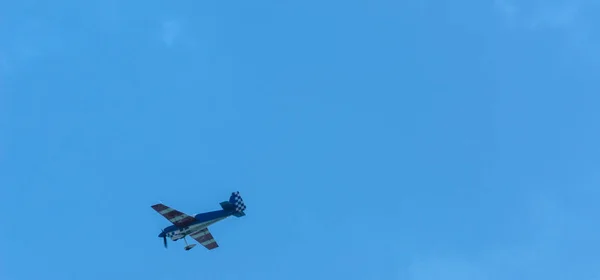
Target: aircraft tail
[(235, 203)]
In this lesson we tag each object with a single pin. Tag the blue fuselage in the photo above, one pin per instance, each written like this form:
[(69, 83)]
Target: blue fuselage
[(202, 221)]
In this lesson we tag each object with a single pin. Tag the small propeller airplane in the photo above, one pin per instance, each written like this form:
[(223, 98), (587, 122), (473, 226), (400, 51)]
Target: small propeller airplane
[(197, 226)]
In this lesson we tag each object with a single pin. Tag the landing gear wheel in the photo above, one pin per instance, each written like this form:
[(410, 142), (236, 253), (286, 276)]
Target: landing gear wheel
[(188, 246)]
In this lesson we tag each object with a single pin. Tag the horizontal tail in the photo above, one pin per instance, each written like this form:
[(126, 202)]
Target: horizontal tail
[(235, 203)]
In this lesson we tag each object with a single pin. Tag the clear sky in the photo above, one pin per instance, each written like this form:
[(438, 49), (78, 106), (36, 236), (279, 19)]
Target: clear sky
[(411, 140)]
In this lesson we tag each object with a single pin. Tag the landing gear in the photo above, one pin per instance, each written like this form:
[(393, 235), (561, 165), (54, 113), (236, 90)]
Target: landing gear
[(188, 246)]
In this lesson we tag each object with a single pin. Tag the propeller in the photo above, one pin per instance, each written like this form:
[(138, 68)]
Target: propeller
[(164, 238)]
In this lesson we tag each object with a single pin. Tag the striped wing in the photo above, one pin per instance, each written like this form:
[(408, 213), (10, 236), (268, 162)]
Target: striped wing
[(178, 218), (205, 238)]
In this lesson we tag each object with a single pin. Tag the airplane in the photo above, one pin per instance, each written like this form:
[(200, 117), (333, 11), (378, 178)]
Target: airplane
[(196, 226)]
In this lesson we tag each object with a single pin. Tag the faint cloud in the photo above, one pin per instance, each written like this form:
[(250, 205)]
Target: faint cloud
[(507, 9), (26, 43), (3, 64), (445, 268), (540, 14), (562, 17), (559, 249), (171, 30)]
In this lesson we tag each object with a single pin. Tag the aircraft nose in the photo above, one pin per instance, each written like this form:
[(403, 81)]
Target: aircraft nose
[(162, 234)]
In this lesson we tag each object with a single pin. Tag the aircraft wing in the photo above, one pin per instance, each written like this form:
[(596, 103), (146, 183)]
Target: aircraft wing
[(205, 238), (178, 218)]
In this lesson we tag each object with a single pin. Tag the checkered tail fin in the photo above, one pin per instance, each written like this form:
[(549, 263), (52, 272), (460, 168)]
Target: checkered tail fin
[(235, 203)]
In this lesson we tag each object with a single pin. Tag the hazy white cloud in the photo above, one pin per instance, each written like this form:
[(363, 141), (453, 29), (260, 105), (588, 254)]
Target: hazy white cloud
[(507, 9), (170, 32), (563, 18), (3, 64), (555, 252), (559, 16), (445, 268), (26, 43), (534, 15)]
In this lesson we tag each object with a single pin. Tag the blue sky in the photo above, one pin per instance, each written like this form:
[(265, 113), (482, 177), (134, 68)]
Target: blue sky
[(381, 139)]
